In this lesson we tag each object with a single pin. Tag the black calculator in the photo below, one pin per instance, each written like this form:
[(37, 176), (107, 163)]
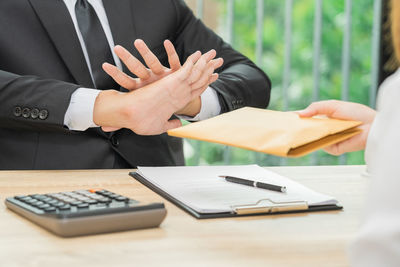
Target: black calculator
[(85, 212)]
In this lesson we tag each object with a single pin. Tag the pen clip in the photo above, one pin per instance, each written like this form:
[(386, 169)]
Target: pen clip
[(271, 207)]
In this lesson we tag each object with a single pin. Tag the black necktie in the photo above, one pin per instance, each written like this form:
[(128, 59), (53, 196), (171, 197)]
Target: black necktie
[(96, 43)]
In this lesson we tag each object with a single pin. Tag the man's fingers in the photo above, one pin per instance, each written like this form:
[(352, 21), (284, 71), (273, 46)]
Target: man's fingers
[(217, 62), (207, 77), (151, 60), (210, 55), (132, 63), (213, 78), (110, 129), (119, 76), (173, 58), (193, 58), (172, 124), (198, 69), (184, 72), (201, 66), (197, 92), (204, 78)]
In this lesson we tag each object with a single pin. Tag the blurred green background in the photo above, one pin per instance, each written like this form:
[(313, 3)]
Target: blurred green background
[(301, 83)]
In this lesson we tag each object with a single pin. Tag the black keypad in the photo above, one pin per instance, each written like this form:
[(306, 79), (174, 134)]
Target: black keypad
[(76, 201)]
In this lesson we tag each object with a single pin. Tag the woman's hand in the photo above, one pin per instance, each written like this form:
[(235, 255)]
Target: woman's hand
[(347, 111)]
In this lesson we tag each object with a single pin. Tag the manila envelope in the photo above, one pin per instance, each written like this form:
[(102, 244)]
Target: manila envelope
[(283, 134)]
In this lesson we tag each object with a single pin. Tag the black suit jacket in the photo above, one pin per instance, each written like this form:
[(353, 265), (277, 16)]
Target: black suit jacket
[(42, 64)]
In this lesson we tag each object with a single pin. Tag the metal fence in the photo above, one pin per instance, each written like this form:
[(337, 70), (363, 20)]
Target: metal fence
[(317, 33)]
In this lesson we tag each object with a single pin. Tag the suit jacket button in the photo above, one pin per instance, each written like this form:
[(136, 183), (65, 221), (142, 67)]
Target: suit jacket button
[(26, 112), (114, 141), (34, 113), (17, 111), (43, 114)]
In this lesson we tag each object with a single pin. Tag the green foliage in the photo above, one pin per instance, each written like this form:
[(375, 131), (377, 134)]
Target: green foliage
[(301, 77)]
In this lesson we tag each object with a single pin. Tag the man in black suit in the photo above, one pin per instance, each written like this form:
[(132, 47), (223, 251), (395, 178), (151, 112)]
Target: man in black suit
[(48, 65)]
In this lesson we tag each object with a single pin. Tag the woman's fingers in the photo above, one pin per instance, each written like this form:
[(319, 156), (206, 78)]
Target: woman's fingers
[(173, 58), (151, 60), (318, 108), (132, 63), (119, 76)]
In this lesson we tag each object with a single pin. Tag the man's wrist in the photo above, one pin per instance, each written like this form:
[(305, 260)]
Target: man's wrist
[(192, 109), (106, 108)]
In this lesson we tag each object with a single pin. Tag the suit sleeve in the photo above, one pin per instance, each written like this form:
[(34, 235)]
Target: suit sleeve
[(32, 103), (241, 82)]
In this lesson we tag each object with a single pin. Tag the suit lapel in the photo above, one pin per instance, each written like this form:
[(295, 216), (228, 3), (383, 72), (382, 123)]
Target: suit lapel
[(57, 21), (120, 18)]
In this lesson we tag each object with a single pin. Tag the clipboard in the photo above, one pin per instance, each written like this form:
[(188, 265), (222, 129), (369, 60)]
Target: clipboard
[(262, 207)]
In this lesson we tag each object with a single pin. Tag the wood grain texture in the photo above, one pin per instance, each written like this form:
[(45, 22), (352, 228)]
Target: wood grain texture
[(306, 239)]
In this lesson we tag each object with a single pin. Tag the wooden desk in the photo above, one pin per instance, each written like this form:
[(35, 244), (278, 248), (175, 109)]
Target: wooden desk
[(308, 239)]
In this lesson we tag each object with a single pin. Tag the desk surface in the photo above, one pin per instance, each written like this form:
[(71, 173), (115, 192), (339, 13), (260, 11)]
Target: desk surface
[(306, 239)]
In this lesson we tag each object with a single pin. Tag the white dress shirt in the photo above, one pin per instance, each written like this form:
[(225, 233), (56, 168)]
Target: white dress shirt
[(79, 115), (378, 241)]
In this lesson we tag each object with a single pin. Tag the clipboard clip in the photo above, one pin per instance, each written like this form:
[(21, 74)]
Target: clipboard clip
[(269, 206)]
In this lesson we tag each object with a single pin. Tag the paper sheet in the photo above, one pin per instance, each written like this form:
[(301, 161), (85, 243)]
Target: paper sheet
[(200, 188)]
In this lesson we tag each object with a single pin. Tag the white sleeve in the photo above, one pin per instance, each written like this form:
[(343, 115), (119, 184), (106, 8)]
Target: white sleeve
[(79, 115), (378, 241), (210, 106)]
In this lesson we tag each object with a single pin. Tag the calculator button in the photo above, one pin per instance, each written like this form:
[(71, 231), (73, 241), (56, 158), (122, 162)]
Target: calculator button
[(104, 200), (83, 205), (91, 201), (121, 198), (50, 209), (113, 196), (94, 190), (83, 199), (52, 202), (39, 197), (46, 199), (44, 206), (59, 204), (68, 200), (32, 201), (75, 203), (65, 207), (23, 198), (38, 203), (81, 192)]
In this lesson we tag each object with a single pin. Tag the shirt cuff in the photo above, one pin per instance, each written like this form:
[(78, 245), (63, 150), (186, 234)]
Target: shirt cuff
[(210, 106), (79, 115)]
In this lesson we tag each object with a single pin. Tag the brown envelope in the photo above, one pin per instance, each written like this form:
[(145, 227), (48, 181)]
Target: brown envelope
[(278, 133)]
